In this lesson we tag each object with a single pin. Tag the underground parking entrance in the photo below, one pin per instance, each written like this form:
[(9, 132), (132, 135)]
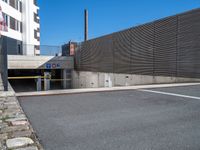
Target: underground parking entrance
[(156, 118), (27, 80)]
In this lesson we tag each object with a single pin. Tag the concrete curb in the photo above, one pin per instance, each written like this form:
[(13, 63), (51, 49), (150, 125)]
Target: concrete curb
[(91, 90)]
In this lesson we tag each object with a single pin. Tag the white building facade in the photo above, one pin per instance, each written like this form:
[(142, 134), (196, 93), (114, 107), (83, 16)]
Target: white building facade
[(22, 19)]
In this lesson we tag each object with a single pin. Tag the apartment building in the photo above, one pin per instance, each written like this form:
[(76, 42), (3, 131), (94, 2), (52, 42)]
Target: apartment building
[(22, 19)]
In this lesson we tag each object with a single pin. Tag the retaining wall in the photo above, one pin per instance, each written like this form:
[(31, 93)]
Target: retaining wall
[(84, 79)]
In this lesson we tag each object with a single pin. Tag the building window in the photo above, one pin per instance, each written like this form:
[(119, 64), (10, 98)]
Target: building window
[(20, 6), (35, 2), (37, 47), (13, 3), (21, 29), (15, 25), (12, 23), (6, 1), (35, 34), (36, 18), (16, 4), (5, 18), (19, 48)]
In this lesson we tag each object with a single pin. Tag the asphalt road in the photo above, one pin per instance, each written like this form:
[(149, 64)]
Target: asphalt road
[(125, 120)]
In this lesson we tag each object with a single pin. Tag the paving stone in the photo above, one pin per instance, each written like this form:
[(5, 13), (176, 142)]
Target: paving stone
[(11, 98), (2, 126), (7, 94), (11, 106), (27, 133), (16, 119), (3, 136), (17, 123), (2, 107), (18, 142), (4, 115), (28, 148), (2, 146), (12, 110), (11, 103), (15, 128)]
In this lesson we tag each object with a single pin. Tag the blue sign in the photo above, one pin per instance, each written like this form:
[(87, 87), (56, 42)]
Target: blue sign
[(48, 66), (58, 66)]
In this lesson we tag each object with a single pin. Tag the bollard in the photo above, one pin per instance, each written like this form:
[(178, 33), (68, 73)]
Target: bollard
[(39, 83), (64, 82), (47, 78)]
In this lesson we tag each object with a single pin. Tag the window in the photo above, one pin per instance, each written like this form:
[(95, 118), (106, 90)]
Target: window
[(37, 47), (16, 4), (35, 34), (35, 2), (20, 6), (36, 18), (19, 48), (13, 3), (12, 23), (6, 1), (15, 25), (5, 18), (21, 29)]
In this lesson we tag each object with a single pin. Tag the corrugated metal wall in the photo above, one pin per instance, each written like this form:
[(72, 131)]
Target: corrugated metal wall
[(166, 47)]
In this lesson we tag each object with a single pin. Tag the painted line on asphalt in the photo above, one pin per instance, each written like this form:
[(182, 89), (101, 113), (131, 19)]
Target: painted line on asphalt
[(170, 94)]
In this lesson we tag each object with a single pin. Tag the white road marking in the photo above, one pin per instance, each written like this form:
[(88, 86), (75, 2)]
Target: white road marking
[(171, 94)]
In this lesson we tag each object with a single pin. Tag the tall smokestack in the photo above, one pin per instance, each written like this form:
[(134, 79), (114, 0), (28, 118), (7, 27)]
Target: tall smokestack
[(86, 25)]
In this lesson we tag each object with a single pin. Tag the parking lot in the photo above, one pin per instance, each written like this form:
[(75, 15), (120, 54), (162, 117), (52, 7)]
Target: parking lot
[(143, 119)]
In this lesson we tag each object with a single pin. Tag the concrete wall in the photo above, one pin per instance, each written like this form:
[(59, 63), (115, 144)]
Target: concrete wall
[(39, 62), (97, 79)]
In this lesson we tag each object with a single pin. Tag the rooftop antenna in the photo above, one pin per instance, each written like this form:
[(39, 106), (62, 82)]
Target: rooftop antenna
[(86, 25)]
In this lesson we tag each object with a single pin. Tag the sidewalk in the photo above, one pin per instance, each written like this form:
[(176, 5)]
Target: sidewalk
[(90, 90), (16, 132)]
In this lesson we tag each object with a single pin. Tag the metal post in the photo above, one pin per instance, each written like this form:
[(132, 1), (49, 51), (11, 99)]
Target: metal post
[(67, 79), (47, 77), (1, 54), (3, 62), (86, 25), (64, 78), (39, 82)]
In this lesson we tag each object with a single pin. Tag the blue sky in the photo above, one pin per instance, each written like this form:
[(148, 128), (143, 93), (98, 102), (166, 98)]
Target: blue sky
[(62, 20)]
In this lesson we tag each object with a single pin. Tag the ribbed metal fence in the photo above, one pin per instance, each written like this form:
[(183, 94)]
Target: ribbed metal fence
[(166, 47)]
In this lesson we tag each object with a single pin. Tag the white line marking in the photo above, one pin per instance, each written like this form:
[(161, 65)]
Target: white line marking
[(171, 94)]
